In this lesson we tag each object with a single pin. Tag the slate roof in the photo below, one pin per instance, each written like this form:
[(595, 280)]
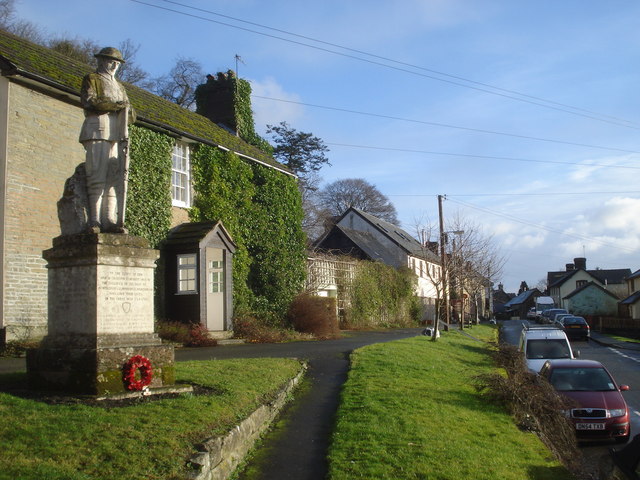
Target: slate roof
[(191, 233), (590, 285), (615, 276), (611, 276), (20, 58), (631, 299), (635, 274), (399, 236), (369, 244), (522, 298)]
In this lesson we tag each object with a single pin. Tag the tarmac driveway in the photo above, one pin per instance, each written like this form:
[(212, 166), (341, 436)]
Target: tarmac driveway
[(297, 447)]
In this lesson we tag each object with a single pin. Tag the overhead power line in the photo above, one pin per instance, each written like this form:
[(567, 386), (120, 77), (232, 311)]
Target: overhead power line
[(444, 125), (550, 104), (493, 194), (487, 157), (540, 227)]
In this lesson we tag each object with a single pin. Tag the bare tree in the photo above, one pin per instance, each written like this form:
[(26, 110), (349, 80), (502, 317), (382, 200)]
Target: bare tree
[(472, 263), (77, 48), (542, 285), (476, 264), (313, 222), (179, 86), (19, 27), (129, 71), (338, 196)]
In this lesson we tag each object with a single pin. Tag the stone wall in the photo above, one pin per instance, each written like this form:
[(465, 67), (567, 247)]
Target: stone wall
[(220, 456), (42, 152)]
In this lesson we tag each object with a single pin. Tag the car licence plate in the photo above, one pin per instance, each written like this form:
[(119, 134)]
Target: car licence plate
[(589, 426)]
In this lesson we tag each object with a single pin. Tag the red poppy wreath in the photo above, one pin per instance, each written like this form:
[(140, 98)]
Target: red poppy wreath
[(133, 365)]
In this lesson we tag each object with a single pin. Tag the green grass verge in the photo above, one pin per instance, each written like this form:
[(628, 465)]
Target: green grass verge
[(624, 339), (146, 441), (409, 410)]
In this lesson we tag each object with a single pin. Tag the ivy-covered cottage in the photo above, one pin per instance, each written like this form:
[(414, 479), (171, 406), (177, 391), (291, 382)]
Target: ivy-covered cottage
[(184, 168)]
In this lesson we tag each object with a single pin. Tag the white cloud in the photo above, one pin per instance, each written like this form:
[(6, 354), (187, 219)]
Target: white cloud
[(270, 112)]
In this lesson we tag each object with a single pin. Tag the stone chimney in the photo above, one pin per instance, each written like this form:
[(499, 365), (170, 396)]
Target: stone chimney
[(215, 100), (581, 263)]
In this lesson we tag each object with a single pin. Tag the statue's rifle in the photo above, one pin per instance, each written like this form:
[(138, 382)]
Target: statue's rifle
[(123, 157)]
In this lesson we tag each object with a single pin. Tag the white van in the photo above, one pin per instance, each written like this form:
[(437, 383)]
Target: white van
[(540, 343)]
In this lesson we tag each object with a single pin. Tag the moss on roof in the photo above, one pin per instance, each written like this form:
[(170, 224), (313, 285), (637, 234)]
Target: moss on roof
[(21, 57)]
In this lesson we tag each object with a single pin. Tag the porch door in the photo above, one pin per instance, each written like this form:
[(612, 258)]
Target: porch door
[(215, 288)]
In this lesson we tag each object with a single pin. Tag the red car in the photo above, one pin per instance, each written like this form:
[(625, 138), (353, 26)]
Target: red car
[(602, 412)]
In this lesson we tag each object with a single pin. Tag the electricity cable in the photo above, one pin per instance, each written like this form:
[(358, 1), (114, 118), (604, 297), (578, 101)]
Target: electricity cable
[(486, 157), (444, 125), (587, 113)]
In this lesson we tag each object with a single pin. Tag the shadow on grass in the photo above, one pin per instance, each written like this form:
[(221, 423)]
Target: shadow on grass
[(16, 385), (549, 473)]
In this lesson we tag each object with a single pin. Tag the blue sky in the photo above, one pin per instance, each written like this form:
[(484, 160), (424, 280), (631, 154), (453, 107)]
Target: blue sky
[(526, 114)]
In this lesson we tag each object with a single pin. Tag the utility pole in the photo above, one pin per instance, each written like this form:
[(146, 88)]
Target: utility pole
[(445, 281)]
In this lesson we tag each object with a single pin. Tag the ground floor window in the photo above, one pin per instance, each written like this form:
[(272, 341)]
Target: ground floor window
[(187, 273)]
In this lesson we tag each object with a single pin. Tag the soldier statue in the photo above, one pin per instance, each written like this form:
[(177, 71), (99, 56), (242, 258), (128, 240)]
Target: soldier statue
[(105, 137)]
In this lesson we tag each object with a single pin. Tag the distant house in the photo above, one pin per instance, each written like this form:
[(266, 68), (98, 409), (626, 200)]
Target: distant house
[(591, 299), (630, 306), (520, 304), (562, 284), (500, 298), (364, 236)]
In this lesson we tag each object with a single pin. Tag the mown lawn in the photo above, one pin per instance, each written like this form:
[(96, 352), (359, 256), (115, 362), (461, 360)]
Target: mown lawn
[(409, 410), (145, 441)]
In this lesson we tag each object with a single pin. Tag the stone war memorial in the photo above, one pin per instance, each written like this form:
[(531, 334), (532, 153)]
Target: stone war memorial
[(101, 340)]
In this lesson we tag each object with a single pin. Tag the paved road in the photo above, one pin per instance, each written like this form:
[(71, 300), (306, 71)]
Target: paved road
[(622, 359), (297, 448)]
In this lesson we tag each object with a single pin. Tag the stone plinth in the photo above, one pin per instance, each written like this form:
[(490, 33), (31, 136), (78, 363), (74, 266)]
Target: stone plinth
[(100, 315)]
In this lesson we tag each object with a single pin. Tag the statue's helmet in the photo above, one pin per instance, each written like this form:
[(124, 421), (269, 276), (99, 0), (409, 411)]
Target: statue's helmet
[(110, 52)]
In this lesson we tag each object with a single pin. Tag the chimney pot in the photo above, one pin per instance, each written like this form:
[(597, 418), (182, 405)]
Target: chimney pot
[(581, 263)]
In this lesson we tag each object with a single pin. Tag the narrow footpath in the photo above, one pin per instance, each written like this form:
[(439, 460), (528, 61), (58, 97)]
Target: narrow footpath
[(296, 448)]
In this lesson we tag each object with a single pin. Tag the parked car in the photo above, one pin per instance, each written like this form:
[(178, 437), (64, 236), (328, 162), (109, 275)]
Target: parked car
[(531, 313), (555, 316), (558, 318), (601, 411), (575, 327), (540, 343), (546, 316)]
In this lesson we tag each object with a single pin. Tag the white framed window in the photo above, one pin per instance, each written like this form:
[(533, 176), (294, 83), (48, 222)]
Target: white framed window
[(187, 273), (181, 175), (216, 276)]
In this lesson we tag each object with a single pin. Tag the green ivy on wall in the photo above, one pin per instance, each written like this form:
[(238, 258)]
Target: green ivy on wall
[(149, 194), (244, 116), (277, 241), (223, 188), (262, 210), (382, 296)]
